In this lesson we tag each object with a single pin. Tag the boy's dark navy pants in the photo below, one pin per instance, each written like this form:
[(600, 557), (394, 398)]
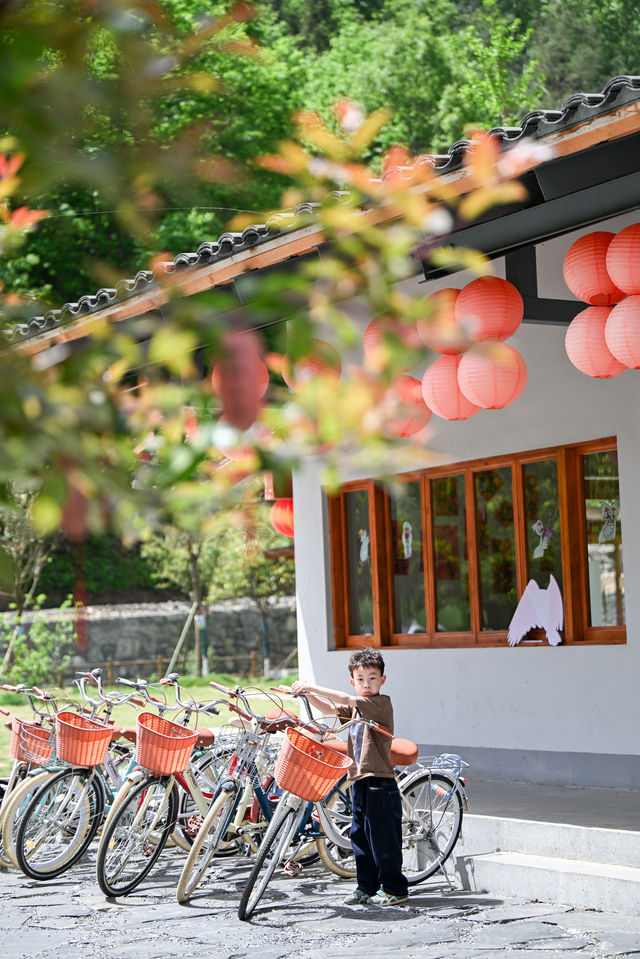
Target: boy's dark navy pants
[(376, 835)]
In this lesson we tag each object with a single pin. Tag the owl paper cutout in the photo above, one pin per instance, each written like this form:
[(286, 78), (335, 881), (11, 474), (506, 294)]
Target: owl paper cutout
[(538, 609), (364, 546), (609, 515)]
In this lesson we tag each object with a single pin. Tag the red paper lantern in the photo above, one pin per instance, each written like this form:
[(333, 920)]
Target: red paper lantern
[(492, 375), (622, 332), (489, 308), (586, 345), (585, 270), (440, 331), (378, 342), (623, 259), (441, 391), (322, 360), (413, 414), (261, 381), (238, 375), (282, 517)]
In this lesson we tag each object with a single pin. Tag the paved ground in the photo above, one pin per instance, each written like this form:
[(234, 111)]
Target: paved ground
[(301, 918)]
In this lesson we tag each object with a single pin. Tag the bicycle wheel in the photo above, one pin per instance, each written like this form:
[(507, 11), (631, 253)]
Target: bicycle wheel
[(431, 823), (60, 821), (12, 813), (206, 843), (273, 850), (6, 789), (336, 859), (136, 835), (207, 772)]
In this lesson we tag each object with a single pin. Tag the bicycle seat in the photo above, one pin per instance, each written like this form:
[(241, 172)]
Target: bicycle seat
[(404, 752), (128, 732), (276, 720), (205, 736)]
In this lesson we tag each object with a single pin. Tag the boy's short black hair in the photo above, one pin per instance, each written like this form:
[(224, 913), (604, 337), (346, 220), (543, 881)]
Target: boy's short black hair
[(367, 657)]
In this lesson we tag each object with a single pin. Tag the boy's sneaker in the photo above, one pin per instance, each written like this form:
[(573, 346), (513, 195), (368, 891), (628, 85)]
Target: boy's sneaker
[(387, 899), (358, 898)]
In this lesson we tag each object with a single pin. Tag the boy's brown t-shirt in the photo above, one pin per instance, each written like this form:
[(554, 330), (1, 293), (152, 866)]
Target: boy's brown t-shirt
[(369, 751)]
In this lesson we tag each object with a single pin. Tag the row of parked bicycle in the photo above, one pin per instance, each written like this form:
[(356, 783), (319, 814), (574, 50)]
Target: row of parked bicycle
[(271, 786)]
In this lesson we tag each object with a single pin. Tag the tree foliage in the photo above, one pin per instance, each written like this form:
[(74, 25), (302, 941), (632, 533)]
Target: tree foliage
[(158, 118)]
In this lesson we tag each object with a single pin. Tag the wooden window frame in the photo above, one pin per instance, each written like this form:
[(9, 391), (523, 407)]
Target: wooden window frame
[(576, 632)]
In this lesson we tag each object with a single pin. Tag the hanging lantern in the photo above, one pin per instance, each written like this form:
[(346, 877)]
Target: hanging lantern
[(386, 338), (492, 375), (440, 331), (622, 332), (282, 517), (489, 308), (238, 375), (586, 345), (441, 391), (413, 414), (261, 381), (322, 360), (623, 259), (585, 270)]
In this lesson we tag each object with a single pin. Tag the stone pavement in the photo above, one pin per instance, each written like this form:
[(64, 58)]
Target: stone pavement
[(301, 918)]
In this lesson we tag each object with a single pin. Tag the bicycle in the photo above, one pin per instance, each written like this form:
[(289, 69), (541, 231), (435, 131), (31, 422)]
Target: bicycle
[(243, 804), (31, 747), (65, 813), (137, 830), (433, 797), (432, 819)]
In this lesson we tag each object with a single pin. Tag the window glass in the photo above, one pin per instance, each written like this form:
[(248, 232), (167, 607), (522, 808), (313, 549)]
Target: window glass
[(604, 539), (407, 562), (496, 547), (359, 563), (451, 564), (542, 519)]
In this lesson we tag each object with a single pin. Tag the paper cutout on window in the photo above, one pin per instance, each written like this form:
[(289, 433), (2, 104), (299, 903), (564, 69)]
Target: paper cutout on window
[(545, 533), (538, 609), (364, 546), (609, 511), (407, 539)]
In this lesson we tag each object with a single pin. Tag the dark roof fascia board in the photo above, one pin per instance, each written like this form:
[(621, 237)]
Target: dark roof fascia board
[(547, 220)]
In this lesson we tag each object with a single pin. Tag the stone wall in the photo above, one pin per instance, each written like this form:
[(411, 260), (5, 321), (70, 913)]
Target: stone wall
[(136, 635)]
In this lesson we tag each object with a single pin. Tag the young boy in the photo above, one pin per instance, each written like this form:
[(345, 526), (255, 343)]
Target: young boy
[(376, 830)]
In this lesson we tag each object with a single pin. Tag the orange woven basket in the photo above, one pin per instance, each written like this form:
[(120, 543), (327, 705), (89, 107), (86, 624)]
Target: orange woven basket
[(163, 747), (81, 741), (30, 743), (307, 768)]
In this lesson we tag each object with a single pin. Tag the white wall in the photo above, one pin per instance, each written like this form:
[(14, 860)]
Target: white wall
[(563, 700)]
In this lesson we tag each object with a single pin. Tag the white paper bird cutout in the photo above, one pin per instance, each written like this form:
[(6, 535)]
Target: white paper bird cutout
[(538, 609)]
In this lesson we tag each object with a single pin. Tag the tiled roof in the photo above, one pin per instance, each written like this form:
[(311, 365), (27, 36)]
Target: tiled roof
[(578, 108)]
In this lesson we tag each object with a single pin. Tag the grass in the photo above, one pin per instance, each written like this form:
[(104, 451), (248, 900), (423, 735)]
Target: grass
[(193, 687)]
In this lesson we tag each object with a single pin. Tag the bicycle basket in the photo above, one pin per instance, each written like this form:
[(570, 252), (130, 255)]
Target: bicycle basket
[(307, 768), (30, 743), (163, 747), (81, 741)]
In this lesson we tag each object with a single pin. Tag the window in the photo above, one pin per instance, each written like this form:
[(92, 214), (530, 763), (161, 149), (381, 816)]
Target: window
[(444, 559)]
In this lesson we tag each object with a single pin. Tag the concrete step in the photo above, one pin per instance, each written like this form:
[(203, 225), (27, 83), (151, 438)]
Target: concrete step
[(586, 885), (487, 834), (583, 866)]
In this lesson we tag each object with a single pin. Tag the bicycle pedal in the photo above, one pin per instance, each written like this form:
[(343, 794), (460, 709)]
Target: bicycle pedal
[(292, 868)]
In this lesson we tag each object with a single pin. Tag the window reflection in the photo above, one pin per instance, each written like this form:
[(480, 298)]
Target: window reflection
[(496, 547), (604, 539), (542, 520), (450, 554), (407, 561), (359, 563)]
